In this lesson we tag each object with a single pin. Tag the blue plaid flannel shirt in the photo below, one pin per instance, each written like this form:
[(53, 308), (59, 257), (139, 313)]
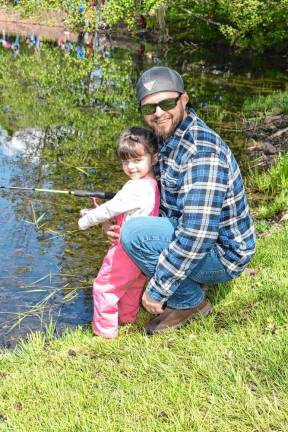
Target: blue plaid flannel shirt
[(201, 187)]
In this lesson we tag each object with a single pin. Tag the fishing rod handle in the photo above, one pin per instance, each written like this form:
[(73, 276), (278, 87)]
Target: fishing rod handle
[(96, 194)]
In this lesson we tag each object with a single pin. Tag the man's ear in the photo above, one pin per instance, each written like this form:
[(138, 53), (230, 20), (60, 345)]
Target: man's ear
[(154, 159), (184, 99)]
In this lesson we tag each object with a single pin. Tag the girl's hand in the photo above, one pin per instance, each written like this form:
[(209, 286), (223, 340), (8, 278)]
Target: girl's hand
[(152, 306), (112, 231)]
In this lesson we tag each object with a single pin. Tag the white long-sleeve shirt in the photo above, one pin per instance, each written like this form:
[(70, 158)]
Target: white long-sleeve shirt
[(136, 198)]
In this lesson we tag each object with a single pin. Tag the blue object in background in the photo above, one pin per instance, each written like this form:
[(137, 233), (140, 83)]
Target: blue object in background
[(37, 42), (81, 8), (32, 39), (80, 52), (16, 46), (68, 46)]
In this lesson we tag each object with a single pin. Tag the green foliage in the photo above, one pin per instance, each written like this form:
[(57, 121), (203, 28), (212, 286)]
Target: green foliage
[(126, 11), (193, 20), (262, 226), (274, 207), (112, 12), (56, 90), (254, 23), (274, 180), (28, 7), (87, 19), (243, 16), (261, 106), (273, 186), (243, 23)]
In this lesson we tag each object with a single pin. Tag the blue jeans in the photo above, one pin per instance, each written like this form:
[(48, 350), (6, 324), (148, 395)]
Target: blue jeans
[(144, 238)]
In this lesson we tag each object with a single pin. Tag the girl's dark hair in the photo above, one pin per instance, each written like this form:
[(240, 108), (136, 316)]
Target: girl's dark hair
[(131, 137)]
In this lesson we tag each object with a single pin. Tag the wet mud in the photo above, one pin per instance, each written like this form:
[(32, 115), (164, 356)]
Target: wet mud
[(268, 139)]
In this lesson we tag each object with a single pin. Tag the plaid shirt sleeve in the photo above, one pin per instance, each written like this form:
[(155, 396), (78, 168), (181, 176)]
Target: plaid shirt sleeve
[(200, 193)]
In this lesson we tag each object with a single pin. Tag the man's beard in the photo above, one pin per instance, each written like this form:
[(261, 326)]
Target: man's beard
[(164, 135)]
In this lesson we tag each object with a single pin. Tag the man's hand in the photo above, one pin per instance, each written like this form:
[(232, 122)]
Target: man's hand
[(152, 306), (111, 230)]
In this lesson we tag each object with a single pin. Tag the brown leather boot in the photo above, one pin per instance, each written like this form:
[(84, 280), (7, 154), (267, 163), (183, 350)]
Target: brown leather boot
[(175, 318)]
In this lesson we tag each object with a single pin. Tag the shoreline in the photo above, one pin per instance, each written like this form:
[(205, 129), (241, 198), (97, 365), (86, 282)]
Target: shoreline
[(12, 22), (53, 19), (54, 28)]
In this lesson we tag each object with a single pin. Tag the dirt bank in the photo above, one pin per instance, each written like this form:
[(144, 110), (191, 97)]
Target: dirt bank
[(51, 26), (268, 139), (50, 19), (12, 22)]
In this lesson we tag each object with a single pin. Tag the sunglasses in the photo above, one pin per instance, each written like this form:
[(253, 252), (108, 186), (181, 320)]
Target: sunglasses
[(165, 105)]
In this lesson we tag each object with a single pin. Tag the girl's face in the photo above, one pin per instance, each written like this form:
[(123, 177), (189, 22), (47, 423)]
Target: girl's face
[(142, 165)]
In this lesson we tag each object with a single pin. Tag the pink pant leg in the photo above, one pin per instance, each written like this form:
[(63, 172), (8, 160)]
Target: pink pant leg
[(129, 303), (117, 275)]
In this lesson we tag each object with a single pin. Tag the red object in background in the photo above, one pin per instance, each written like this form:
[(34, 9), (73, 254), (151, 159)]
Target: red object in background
[(6, 44), (141, 20), (141, 50)]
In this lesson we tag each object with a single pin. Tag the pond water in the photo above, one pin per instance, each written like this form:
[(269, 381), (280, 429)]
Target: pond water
[(62, 106)]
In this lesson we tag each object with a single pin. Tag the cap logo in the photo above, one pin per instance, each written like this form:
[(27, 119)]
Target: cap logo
[(149, 85)]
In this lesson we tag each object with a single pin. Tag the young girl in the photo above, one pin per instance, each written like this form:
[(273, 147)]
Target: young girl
[(119, 285)]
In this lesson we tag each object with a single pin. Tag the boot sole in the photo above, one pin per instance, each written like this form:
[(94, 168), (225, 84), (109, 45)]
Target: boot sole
[(182, 324)]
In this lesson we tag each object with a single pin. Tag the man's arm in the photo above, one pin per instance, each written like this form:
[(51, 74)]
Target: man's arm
[(203, 193)]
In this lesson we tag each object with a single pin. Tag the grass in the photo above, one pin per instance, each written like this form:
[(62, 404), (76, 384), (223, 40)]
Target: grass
[(264, 105), (270, 188), (224, 373), (274, 180)]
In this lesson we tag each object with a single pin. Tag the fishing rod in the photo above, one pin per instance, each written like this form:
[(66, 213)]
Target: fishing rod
[(77, 193)]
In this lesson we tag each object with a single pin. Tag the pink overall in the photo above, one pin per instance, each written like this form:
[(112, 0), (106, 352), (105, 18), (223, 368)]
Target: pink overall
[(119, 285)]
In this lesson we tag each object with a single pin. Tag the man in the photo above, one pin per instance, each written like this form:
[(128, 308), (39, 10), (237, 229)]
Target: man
[(205, 234)]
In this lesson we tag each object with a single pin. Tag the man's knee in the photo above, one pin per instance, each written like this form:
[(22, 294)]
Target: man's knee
[(129, 232), (147, 232)]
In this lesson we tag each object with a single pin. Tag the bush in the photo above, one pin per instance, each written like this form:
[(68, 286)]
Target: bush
[(243, 23)]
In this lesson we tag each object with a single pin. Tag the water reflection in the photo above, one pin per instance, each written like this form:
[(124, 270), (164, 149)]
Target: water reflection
[(61, 113), (83, 45), (27, 142), (46, 266)]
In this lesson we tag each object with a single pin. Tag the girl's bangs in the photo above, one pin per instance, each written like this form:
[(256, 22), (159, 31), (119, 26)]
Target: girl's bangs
[(128, 150)]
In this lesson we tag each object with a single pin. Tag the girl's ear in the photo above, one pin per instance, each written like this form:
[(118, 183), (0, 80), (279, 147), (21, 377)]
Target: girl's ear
[(154, 159)]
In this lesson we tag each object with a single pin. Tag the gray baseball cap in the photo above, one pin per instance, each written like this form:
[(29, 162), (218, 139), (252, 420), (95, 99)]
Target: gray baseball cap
[(158, 79)]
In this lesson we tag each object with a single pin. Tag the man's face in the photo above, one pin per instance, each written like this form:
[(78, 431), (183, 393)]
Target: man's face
[(163, 122)]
